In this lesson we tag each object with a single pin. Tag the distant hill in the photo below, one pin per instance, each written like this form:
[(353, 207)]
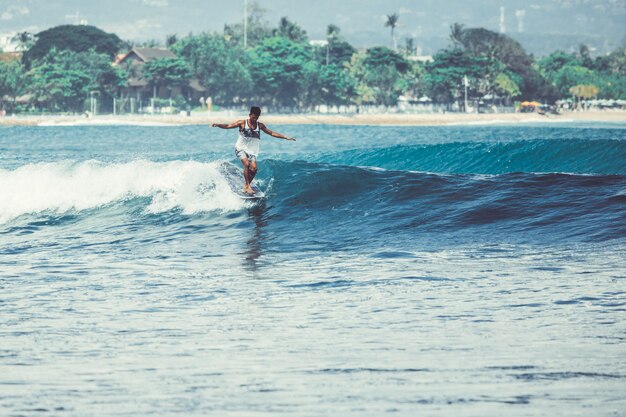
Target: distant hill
[(540, 25)]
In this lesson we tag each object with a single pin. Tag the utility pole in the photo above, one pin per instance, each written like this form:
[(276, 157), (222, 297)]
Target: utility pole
[(327, 49), (520, 20), (465, 83), (245, 24), (94, 103)]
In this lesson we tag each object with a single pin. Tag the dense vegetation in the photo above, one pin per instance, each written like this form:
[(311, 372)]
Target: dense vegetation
[(72, 38), (279, 68)]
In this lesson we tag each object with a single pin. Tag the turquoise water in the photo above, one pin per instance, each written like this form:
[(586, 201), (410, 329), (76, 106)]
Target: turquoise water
[(467, 271)]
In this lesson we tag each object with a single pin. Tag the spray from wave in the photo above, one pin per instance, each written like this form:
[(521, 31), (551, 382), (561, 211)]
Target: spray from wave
[(67, 186)]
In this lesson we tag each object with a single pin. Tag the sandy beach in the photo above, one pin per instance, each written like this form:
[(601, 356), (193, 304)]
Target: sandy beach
[(432, 119)]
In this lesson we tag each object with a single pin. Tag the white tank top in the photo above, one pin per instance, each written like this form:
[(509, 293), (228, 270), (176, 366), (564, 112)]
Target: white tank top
[(249, 139)]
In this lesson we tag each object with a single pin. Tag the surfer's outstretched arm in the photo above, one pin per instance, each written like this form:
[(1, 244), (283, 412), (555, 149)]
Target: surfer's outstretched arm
[(274, 134), (233, 125)]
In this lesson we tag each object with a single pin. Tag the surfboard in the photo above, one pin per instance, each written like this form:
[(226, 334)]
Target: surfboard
[(234, 177)]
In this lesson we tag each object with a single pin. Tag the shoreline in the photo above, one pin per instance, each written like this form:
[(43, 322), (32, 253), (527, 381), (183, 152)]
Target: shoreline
[(384, 119)]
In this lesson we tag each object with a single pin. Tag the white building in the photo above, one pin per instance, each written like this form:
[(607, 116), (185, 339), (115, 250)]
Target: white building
[(321, 43), (7, 44), (424, 59)]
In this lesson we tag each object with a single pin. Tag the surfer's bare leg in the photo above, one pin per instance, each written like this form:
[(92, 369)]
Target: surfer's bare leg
[(252, 169), (246, 175), (245, 163)]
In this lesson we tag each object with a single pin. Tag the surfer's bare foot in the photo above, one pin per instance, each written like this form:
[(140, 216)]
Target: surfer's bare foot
[(248, 190)]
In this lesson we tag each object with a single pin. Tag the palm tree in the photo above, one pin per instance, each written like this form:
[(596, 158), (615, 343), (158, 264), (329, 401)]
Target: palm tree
[(409, 46), (332, 31), (171, 40), (456, 34), (392, 22), (25, 40)]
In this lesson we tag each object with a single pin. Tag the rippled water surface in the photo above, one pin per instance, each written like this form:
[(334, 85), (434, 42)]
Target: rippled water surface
[(450, 271)]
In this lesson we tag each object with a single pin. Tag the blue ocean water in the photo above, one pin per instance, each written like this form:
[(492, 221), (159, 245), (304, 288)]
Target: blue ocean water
[(463, 270)]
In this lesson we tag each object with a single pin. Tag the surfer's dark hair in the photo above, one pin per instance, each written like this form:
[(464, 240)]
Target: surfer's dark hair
[(255, 110)]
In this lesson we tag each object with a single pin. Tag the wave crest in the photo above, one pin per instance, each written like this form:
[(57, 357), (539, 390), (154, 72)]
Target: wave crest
[(602, 156), (62, 187)]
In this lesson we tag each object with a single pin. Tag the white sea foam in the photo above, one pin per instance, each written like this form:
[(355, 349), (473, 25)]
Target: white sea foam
[(66, 186), (497, 121), (105, 122)]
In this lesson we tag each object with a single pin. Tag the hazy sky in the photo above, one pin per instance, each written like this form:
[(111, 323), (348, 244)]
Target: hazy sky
[(361, 21)]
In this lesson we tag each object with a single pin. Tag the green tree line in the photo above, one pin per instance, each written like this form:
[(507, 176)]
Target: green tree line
[(277, 67)]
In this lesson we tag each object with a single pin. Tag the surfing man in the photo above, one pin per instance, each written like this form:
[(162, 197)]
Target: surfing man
[(247, 146)]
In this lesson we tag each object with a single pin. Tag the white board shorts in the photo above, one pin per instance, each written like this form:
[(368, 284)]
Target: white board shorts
[(241, 154)]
